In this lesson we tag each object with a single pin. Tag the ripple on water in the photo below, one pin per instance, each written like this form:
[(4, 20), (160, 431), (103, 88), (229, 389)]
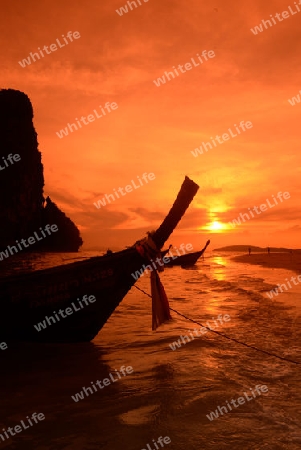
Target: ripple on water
[(139, 416)]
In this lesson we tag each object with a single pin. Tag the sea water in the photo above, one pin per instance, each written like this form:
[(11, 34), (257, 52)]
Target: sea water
[(170, 392)]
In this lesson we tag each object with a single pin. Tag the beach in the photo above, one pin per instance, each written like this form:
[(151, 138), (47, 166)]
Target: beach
[(175, 343), (273, 260), (189, 391)]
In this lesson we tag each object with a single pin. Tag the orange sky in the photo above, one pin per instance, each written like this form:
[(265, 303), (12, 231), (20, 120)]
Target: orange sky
[(154, 128)]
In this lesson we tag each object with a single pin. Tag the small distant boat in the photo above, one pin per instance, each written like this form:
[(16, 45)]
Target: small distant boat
[(27, 299), (186, 260)]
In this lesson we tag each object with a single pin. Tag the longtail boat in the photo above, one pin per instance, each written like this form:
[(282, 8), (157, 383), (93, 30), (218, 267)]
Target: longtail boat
[(27, 299), (185, 260)]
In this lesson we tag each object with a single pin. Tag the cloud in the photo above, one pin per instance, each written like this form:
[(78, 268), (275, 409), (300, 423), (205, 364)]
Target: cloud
[(147, 214)]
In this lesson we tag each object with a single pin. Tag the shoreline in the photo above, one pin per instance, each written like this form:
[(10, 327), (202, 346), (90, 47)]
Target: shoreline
[(286, 261)]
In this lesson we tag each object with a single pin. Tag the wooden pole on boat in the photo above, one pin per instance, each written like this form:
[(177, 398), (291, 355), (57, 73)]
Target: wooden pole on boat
[(188, 190)]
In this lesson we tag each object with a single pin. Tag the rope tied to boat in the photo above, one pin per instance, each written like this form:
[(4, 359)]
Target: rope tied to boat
[(225, 336), (148, 249)]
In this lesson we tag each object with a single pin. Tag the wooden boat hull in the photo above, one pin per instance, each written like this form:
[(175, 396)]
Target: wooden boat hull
[(45, 292), (185, 260), (27, 299)]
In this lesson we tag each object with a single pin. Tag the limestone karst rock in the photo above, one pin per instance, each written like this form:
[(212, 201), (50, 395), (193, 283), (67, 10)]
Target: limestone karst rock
[(67, 239), (21, 181)]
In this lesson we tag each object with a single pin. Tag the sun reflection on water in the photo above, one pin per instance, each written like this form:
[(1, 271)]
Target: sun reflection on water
[(217, 267)]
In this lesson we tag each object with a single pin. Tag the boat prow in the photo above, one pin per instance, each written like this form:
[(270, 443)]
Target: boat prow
[(190, 259), (39, 297)]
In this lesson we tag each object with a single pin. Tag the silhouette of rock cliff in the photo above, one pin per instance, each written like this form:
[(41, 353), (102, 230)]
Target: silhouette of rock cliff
[(67, 239), (22, 180)]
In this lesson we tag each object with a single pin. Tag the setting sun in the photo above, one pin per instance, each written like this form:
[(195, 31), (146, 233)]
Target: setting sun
[(215, 227)]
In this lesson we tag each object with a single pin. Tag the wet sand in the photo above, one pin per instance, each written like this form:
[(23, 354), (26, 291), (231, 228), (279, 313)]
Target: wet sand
[(274, 260)]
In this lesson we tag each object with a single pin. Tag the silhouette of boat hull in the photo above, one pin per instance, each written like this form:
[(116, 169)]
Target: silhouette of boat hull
[(185, 260), (27, 299)]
